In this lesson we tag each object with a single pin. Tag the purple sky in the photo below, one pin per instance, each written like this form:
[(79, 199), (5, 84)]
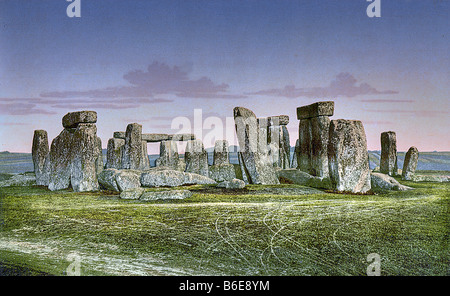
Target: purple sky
[(151, 61)]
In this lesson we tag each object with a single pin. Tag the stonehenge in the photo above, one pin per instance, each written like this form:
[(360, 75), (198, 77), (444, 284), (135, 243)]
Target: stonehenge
[(328, 154)]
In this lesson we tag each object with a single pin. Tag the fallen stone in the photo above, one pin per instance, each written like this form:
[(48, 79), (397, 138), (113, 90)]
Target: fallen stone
[(25, 179), (431, 178), (172, 178), (410, 163), (348, 158), (107, 179), (388, 160), (232, 184), (165, 195), (222, 172), (40, 155), (196, 158), (386, 182), (127, 179), (286, 191), (315, 110), (302, 178), (72, 119), (132, 193)]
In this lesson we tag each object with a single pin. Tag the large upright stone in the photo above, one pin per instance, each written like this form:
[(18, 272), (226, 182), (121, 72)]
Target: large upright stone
[(257, 163), (114, 153), (313, 137), (296, 154), (99, 160), (72, 119), (132, 152), (168, 155), (221, 155), (410, 163), (279, 135), (196, 158), (40, 155), (388, 161), (348, 158), (315, 110), (73, 159), (145, 159)]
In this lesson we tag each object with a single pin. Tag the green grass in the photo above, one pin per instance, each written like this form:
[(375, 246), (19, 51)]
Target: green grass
[(214, 233)]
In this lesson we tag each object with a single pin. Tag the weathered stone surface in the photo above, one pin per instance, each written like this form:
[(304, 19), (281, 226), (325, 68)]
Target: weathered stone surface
[(119, 135), (168, 155), (302, 178), (243, 171), (232, 184), (196, 158), (304, 150), (388, 161), (295, 156), (145, 159), (107, 179), (221, 155), (319, 146), (348, 158), (430, 178), (222, 172), (258, 165), (85, 155), (127, 179), (25, 179), (132, 151), (172, 178), (114, 153), (132, 193), (73, 159), (386, 182), (279, 135), (152, 138), (278, 120), (410, 163), (40, 155), (72, 119), (165, 195), (316, 109), (99, 160), (181, 137)]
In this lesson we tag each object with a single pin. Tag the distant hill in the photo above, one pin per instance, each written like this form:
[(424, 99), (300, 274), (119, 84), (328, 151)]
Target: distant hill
[(14, 163)]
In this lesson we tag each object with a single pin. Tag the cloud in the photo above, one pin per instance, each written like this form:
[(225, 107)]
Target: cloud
[(159, 78), (20, 108), (344, 85), (414, 113), (386, 101)]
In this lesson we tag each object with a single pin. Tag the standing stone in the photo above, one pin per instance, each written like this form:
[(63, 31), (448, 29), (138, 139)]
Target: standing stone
[(85, 153), (348, 158), (313, 137), (40, 152), (410, 163), (221, 155), (114, 153), (257, 163), (279, 135), (74, 154), (145, 159), (132, 153), (388, 161), (168, 155), (99, 160), (196, 158), (295, 156)]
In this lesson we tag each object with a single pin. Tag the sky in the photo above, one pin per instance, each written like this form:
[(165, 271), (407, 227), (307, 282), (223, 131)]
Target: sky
[(152, 62)]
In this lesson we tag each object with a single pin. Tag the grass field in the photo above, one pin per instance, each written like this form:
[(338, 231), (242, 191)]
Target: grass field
[(217, 232)]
